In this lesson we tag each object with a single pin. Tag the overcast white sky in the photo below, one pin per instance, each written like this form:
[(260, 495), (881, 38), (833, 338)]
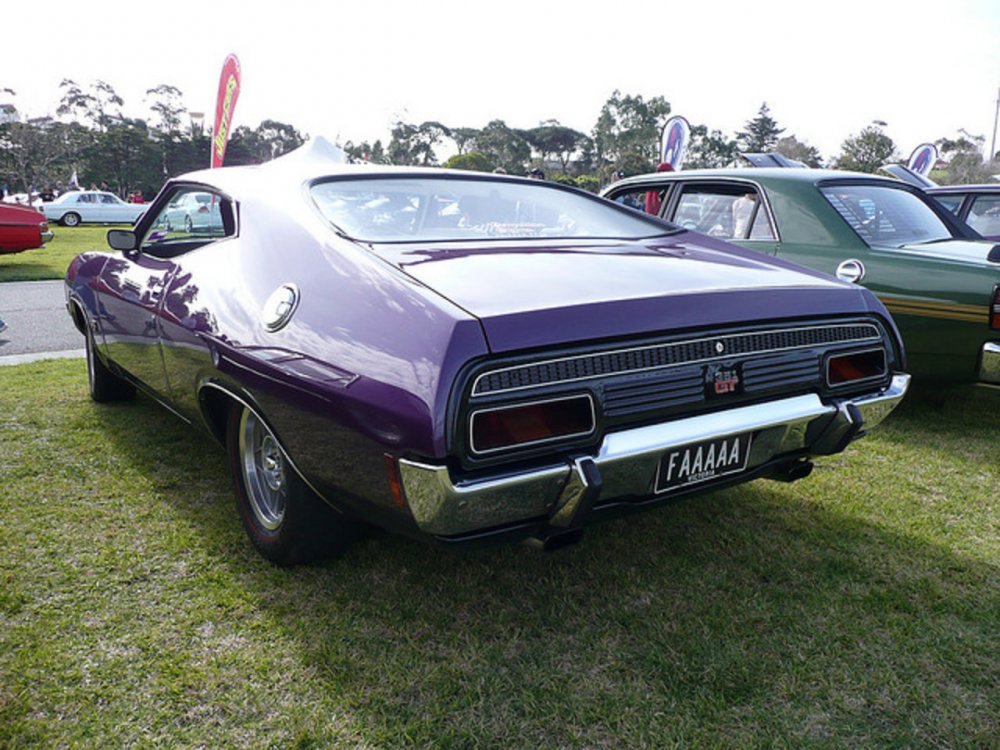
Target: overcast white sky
[(349, 69)]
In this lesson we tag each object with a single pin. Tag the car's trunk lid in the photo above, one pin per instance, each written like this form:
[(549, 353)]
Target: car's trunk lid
[(536, 294), (964, 251)]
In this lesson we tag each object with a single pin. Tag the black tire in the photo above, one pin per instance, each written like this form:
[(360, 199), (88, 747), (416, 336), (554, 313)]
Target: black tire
[(70, 220), (105, 386), (188, 226), (286, 521)]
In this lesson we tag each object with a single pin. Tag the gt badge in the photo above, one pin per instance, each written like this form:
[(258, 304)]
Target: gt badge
[(723, 380)]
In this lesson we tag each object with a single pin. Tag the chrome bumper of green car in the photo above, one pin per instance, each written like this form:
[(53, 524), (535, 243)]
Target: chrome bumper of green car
[(989, 367)]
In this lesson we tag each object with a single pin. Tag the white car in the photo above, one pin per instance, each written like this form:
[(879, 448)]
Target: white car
[(193, 212), (93, 206)]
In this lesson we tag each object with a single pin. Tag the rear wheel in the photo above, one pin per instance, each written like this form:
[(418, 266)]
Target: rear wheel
[(70, 220), (188, 226), (105, 386), (286, 521)]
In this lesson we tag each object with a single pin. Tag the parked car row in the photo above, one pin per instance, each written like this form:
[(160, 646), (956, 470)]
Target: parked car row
[(463, 357), (24, 227)]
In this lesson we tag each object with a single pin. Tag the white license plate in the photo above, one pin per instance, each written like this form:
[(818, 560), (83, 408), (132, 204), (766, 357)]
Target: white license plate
[(702, 462)]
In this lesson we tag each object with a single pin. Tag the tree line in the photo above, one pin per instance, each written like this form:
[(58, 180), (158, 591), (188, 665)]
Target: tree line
[(91, 137)]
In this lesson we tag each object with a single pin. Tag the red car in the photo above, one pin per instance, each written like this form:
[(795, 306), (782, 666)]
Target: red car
[(22, 228)]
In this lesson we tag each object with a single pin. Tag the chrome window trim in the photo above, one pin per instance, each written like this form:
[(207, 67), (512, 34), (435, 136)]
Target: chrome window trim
[(475, 386), (532, 402)]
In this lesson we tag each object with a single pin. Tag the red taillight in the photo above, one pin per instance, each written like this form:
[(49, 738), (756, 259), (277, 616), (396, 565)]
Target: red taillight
[(203, 209), (854, 366), (995, 309), (525, 424)]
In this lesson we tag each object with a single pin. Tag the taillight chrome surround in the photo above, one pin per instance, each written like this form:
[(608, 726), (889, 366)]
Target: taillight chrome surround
[(584, 406), (870, 365)]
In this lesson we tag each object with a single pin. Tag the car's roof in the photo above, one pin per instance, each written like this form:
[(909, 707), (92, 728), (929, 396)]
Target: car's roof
[(760, 174), (982, 188), (316, 159)]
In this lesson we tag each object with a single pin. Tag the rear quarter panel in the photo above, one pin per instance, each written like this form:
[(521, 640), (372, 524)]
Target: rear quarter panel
[(380, 351)]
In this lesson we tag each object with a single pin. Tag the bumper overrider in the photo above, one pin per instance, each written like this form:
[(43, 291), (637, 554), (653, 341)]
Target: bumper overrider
[(627, 462), (989, 368)]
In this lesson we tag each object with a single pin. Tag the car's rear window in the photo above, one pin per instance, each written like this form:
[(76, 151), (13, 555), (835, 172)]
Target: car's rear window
[(884, 215), (410, 209)]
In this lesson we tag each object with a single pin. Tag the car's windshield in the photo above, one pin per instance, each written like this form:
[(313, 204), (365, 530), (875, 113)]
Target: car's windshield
[(885, 215), (433, 209)]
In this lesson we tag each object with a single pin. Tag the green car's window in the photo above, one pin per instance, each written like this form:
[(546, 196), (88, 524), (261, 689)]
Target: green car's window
[(883, 215), (726, 211), (649, 200), (984, 216)]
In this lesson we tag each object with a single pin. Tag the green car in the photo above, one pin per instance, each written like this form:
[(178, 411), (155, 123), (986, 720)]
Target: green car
[(938, 278)]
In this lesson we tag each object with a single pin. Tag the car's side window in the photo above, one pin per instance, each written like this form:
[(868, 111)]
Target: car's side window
[(951, 202), (761, 229), (649, 200), (107, 199), (726, 211), (85, 198), (984, 215), (191, 218)]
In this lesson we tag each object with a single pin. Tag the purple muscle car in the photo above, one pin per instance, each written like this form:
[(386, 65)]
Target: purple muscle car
[(465, 357)]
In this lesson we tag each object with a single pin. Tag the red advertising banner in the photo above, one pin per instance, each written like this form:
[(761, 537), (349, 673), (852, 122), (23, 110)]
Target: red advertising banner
[(225, 103)]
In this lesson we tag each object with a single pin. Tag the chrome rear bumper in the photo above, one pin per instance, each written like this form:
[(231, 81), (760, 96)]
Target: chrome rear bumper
[(626, 462)]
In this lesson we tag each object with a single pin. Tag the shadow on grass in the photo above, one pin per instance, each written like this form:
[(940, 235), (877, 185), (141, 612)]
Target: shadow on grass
[(26, 269), (760, 615)]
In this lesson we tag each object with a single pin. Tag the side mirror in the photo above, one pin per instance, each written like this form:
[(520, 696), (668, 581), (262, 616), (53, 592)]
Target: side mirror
[(122, 239)]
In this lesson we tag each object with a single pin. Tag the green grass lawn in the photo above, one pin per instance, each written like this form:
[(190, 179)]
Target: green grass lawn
[(857, 608), (50, 260)]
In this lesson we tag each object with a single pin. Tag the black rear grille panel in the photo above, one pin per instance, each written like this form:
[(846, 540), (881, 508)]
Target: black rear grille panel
[(791, 371), (587, 366), (661, 391)]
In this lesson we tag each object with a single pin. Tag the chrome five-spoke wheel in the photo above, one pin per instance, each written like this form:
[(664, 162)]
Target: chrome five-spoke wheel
[(285, 519), (263, 470)]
